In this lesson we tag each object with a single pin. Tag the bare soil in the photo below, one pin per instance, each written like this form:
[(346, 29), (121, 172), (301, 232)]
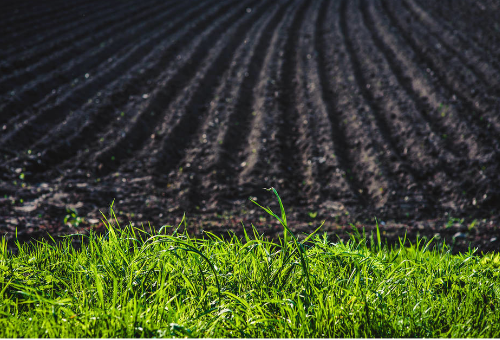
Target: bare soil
[(350, 109)]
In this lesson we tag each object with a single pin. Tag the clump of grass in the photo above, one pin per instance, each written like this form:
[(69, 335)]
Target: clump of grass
[(136, 283)]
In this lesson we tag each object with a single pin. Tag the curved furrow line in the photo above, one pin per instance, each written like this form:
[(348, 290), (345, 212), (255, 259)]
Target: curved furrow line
[(405, 180), (345, 112), (336, 169), (34, 12), (476, 111), (290, 153), (472, 20), (148, 119), (479, 149), (182, 132), (487, 68), (198, 162), (19, 36), (82, 128), (481, 72), (261, 163), (44, 90), (448, 129), (433, 174), (44, 60), (31, 55), (406, 126), (458, 136), (27, 132), (108, 67), (306, 123), (415, 86), (235, 126)]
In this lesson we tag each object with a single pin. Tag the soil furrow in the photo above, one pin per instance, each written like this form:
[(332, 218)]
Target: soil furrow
[(38, 89), (437, 109), (399, 116), (411, 82), (51, 114), (402, 181), (73, 136), (261, 163), (228, 162), (486, 68), (19, 36), (137, 134), (361, 80), (481, 72), (349, 108), (44, 61), (445, 162), (476, 107), (343, 161), (310, 158), (59, 47), (469, 20), (287, 134), (195, 183), (429, 169), (480, 164), (306, 122), (185, 127), (167, 69), (484, 51)]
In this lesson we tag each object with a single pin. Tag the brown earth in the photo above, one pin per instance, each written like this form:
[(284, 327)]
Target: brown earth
[(351, 109)]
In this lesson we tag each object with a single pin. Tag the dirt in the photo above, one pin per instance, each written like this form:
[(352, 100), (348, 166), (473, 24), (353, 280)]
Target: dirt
[(351, 109)]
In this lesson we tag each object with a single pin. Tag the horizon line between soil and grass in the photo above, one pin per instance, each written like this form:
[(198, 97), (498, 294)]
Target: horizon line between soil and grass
[(455, 233)]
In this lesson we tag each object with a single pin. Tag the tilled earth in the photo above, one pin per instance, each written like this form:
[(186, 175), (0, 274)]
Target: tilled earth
[(350, 109)]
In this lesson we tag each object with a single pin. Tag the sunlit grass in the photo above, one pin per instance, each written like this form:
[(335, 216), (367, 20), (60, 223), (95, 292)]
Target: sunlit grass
[(136, 283)]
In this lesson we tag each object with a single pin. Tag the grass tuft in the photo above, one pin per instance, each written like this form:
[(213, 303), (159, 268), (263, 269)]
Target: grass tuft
[(135, 283)]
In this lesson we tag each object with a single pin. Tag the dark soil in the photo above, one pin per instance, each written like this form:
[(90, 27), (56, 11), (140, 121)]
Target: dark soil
[(350, 109)]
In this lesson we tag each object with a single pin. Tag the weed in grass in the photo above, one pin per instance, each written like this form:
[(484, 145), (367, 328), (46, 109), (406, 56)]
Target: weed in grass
[(133, 282)]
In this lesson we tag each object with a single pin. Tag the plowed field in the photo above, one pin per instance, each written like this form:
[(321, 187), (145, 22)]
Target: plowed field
[(351, 109)]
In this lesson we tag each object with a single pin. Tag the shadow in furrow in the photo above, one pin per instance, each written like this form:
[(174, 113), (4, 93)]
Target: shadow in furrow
[(60, 151), (43, 59), (147, 122), (489, 87), (287, 134), (338, 136), (483, 125), (175, 143), (41, 87), (35, 127), (381, 124), (240, 122), (405, 82)]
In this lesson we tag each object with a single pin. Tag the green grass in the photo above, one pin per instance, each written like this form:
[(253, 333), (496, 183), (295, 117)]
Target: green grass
[(133, 283)]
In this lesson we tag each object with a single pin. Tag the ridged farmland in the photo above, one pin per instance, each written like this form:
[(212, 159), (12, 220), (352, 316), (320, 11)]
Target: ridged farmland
[(350, 108)]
